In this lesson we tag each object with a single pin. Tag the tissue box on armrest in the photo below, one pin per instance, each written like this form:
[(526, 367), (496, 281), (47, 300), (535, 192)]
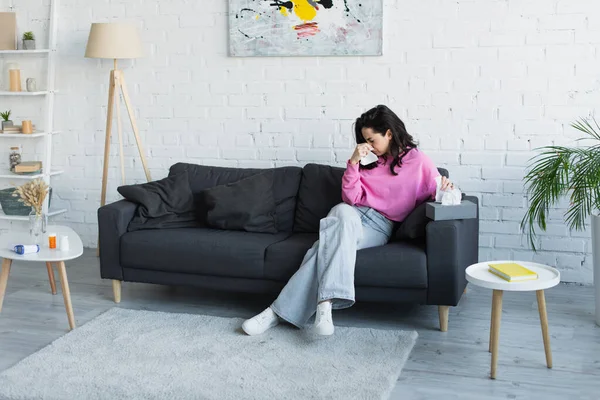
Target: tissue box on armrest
[(438, 212)]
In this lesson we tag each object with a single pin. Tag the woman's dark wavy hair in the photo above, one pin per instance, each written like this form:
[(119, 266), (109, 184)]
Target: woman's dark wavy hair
[(380, 119)]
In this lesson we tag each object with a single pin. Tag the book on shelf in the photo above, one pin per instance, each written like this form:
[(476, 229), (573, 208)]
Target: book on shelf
[(8, 31), (15, 129), (28, 167), (512, 272)]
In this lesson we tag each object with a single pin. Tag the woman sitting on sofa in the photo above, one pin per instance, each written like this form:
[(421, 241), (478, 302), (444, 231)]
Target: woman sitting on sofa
[(374, 195)]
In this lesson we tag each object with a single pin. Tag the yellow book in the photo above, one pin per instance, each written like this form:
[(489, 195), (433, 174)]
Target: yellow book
[(512, 272)]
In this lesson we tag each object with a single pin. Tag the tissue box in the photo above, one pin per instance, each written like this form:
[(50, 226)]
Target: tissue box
[(437, 212)]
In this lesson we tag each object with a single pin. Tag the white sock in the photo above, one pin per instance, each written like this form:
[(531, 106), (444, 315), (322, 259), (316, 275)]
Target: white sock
[(324, 306)]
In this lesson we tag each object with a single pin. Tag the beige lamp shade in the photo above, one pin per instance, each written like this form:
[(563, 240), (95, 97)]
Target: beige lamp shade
[(113, 40)]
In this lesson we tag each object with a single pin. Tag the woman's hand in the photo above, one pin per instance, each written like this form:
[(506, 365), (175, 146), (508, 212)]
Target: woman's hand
[(446, 184), (361, 150)]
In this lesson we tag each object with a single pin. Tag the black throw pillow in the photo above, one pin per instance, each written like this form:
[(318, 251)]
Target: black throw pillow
[(413, 226), (166, 203), (246, 205)]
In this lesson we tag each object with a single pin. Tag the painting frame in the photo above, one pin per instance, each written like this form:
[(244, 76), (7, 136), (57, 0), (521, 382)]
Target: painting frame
[(310, 28)]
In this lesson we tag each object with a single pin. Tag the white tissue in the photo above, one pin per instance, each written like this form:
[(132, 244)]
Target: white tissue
[(368, 159), (448, 197)]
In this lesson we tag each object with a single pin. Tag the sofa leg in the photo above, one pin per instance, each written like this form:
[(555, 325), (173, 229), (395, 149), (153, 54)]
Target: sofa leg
[(443, 311), (117, 290)]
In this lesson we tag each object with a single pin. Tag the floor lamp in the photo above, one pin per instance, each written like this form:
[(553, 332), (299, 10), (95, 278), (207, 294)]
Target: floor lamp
[(116, 40)]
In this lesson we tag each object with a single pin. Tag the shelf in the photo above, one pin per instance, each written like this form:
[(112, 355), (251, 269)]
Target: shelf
[(27, 135), (10, 175), (45, 57), (7, 93), (36, 51), (51, 213)]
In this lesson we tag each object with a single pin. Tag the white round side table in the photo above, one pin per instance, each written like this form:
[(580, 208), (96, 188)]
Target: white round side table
[(45, 255), (478, 274)]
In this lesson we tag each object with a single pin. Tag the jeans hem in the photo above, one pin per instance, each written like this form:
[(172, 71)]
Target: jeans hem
[(347, 301), (286, 319)]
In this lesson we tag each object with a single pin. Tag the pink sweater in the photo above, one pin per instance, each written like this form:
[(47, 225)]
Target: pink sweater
[(393, 196)]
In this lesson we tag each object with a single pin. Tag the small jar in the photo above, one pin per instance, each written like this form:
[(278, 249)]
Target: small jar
[(14, 157), (14, 72), (64, 243), (52, 240)]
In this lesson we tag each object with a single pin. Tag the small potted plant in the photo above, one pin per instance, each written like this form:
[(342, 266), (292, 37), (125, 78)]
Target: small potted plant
[(6, 122), (28, 41)]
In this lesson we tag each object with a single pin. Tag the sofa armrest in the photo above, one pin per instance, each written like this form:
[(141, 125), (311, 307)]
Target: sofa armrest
[(451, 246), (113, 220)]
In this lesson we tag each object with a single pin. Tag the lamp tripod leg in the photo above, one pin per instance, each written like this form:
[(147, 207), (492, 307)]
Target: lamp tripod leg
[(109, 116), (119, 126)]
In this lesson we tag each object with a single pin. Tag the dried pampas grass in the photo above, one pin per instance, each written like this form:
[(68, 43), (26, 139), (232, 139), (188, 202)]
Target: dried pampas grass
[(33, 194)]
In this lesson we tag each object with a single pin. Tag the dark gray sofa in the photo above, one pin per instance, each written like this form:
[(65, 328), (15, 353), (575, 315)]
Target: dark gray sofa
[(425, 270)]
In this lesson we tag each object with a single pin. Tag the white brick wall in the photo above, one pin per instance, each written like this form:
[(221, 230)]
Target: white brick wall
[(480, 84)]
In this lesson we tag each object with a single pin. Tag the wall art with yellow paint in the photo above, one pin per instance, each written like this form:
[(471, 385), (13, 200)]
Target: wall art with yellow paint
[(305, 27)]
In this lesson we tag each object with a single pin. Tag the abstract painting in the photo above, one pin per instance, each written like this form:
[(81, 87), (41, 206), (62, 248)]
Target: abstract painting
[(305, 27)]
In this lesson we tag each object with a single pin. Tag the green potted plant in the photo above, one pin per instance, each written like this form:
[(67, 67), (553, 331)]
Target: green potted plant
[(6, 122), (28, 41), (572, 172)]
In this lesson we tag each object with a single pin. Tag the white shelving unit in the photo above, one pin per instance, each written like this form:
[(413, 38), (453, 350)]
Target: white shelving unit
[(9, 175), (32, 135), (6, 93), (48, 112), (52, 213), (25, 51)]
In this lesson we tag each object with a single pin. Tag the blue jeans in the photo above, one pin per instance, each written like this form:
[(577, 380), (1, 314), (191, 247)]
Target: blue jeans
[(327, 271)]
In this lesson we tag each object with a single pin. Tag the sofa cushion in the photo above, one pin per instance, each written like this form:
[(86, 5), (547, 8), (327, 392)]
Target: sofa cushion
[(397, 265), (166, 203), (198, 251), (285, 187), (246, 205), (320, 190), (414, 224)]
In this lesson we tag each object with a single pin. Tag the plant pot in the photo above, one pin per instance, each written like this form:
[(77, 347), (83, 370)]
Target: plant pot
[(596, 261), (6, 124), (28, 44)]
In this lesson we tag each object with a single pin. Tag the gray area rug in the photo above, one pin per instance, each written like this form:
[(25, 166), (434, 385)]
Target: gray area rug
[(128, 354)]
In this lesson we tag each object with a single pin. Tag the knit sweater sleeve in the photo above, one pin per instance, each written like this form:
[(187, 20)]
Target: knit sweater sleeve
[(352, 187), (428, 185)]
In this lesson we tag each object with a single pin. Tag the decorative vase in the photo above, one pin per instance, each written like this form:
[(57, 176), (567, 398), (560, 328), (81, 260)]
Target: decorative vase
[(28, 44), (30, 84), (26, 127), (37, 226), (596, 261)]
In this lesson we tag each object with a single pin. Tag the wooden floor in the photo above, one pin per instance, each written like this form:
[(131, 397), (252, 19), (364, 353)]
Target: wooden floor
[(452, 365)]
